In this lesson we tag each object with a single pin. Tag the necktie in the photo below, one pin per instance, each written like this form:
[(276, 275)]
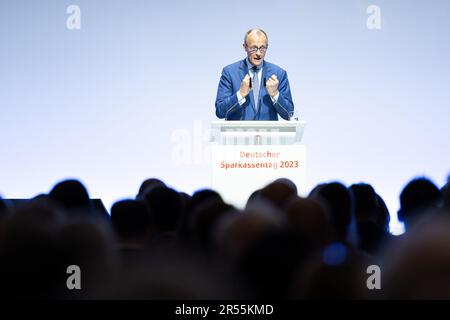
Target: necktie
[(255, 87)]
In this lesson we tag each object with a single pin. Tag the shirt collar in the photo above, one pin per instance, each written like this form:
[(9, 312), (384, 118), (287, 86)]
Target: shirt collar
[(250, 66)]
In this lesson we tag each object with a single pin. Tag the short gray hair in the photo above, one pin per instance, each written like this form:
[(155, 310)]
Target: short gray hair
[(258, 32)]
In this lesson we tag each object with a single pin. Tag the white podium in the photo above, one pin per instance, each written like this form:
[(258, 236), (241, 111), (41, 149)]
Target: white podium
[(248, 155)]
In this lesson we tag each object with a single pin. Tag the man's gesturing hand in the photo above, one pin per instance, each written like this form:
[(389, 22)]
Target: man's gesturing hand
[(245, 86), (272, 86)]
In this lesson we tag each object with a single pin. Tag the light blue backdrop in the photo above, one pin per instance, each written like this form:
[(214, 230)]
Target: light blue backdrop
[(108, 103)]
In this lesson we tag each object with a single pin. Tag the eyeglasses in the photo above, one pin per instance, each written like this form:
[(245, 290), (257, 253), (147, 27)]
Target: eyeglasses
[(253, 50)]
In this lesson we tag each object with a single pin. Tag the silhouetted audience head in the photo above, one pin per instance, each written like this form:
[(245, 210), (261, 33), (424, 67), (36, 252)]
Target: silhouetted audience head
[(71, 195), (237, 232), (365, 201), (130, 219), (289, 183), (166, 208), (309, 218), (279, 193), (419, 196), (191, 204), (204, 219), (339, 201), (255, 196), (372, 218), (185, 199), (202, 196), (148, 185)]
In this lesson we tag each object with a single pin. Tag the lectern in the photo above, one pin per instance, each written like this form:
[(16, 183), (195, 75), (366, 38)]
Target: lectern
[(248, 155)]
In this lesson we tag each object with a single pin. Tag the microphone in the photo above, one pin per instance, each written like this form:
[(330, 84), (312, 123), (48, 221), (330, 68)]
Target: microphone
[(232, 107)]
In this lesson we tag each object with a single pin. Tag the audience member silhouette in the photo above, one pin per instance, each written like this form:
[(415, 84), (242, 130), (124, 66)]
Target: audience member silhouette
[(166, 208), (201, 196), (370, 228), (289, 183), (279, 193), (71, 195), (237, 232), (417, 198), (148, 185), (339, 202), (203, 221), (310, 219), (131, 221), (198, 198), (255, 196)]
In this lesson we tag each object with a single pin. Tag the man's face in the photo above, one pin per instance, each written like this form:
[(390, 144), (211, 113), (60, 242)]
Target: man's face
[(256, 40)]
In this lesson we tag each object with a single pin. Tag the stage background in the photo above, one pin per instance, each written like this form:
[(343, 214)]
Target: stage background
[(131, 94)]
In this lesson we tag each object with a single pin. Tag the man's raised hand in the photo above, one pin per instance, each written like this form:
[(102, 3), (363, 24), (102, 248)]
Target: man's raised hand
[(245, 86), (272, 85)]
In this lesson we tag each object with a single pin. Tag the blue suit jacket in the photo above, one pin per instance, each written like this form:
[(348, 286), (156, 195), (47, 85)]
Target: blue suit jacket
[(227, 105)]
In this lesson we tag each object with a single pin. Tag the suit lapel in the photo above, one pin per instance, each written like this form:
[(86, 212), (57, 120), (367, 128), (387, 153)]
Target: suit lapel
[(243, 69)]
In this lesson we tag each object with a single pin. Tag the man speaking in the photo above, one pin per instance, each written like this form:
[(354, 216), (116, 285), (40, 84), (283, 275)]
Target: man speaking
[(254, 89)]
